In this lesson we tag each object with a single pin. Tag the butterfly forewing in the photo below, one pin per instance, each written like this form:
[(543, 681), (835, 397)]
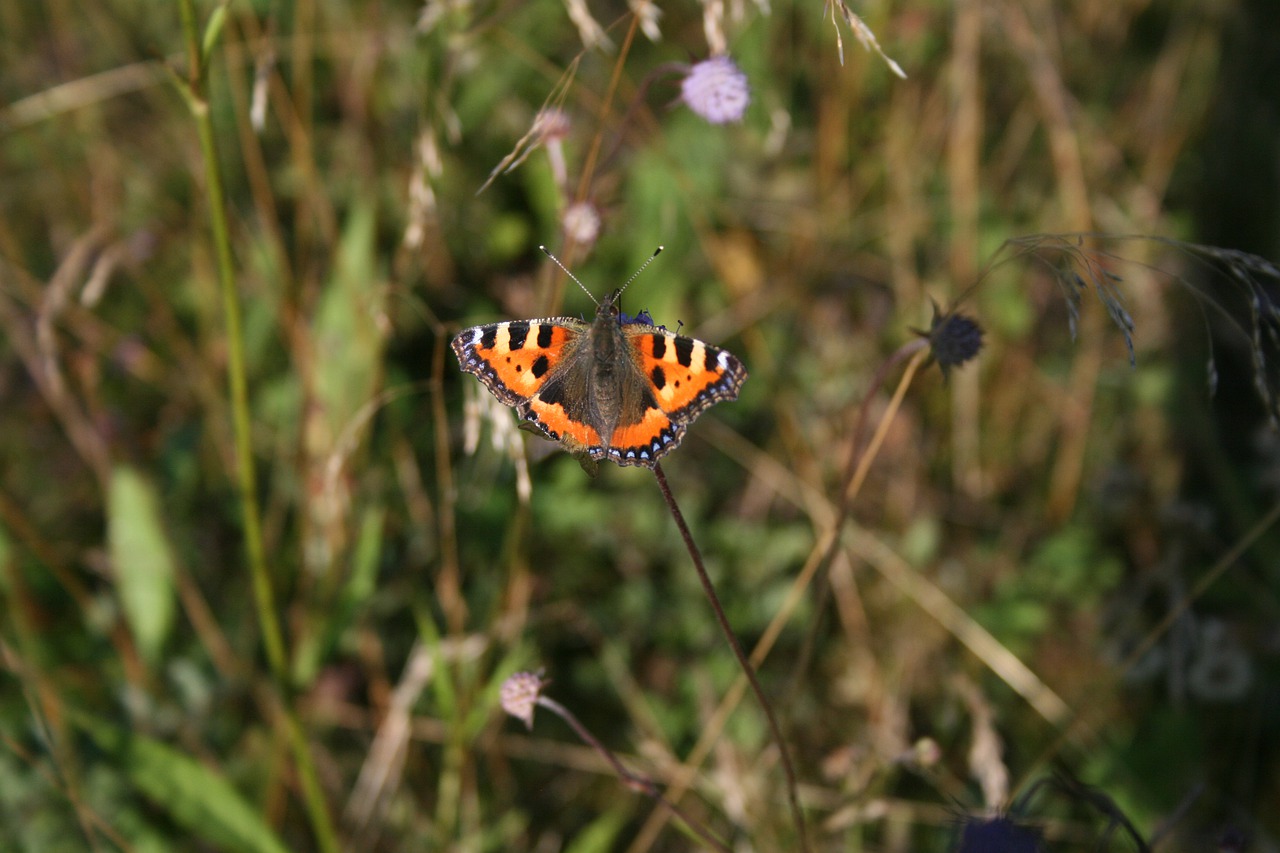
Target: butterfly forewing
[(514, 359), (686, 375)]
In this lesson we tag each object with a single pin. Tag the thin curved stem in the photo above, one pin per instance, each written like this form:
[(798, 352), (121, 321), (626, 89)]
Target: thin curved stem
[(722, 620)]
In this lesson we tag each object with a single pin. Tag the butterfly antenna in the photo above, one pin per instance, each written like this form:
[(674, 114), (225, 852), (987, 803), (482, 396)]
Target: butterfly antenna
[(634, 275), (547, 252)]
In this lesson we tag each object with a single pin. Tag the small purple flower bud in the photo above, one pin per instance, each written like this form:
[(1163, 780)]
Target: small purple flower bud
[(998, 835), (581, 223), (644, 318), (717, 90)]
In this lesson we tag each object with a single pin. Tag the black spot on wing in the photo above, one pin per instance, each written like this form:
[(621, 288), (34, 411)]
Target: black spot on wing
[(659, 346), (658, 376), (489, 338), (545, 331), (684, 351), (540, 365), (519, 331)]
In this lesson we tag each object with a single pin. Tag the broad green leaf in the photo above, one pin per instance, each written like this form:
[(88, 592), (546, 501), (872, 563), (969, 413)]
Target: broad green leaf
[(142, 558), (348, 333), (197, 798)]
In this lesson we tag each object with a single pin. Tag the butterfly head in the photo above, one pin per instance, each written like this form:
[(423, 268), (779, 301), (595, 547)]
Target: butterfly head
[(612, 305), (612, 309)]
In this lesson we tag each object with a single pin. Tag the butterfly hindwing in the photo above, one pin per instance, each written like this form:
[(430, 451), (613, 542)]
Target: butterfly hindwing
[(558, 408), (643, 442)]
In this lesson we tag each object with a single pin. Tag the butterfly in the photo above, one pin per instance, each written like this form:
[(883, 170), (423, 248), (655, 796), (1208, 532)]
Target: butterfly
[(607, 389)]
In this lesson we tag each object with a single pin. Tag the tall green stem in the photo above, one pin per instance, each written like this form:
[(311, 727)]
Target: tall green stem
[(272, 637), (264, 597)]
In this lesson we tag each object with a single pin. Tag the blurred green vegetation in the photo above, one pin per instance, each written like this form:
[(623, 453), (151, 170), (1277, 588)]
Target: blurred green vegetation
[(1057, 557)]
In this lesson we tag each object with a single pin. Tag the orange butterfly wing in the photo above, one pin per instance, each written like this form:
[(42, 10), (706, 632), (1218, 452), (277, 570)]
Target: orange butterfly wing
[(516, 358), (513, 359), (683, 377)]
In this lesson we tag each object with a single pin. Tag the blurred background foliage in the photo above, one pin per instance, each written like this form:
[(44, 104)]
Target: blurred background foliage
[(1059, 563)]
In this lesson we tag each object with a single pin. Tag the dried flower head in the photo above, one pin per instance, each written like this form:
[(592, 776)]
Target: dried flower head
[(581, 223), (647, 14), (953, 338), (551, 127), (591, 33), (551, 124), (716, 89), (520, 694)]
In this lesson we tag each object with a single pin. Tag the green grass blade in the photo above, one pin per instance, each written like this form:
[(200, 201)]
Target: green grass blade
[(197, 798)]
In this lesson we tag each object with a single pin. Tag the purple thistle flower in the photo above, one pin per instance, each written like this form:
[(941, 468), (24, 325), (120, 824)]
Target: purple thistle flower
[(717, 90), (644, 318)]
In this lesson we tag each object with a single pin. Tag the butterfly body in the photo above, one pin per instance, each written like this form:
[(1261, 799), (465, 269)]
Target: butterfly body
[(612, 390)]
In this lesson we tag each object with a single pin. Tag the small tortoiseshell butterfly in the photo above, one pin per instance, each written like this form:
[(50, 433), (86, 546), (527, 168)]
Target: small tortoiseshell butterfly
[(622, 391)]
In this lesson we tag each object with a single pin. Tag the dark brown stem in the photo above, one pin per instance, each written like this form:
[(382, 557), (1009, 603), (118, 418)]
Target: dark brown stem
[(796, 815), (664, 70)]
